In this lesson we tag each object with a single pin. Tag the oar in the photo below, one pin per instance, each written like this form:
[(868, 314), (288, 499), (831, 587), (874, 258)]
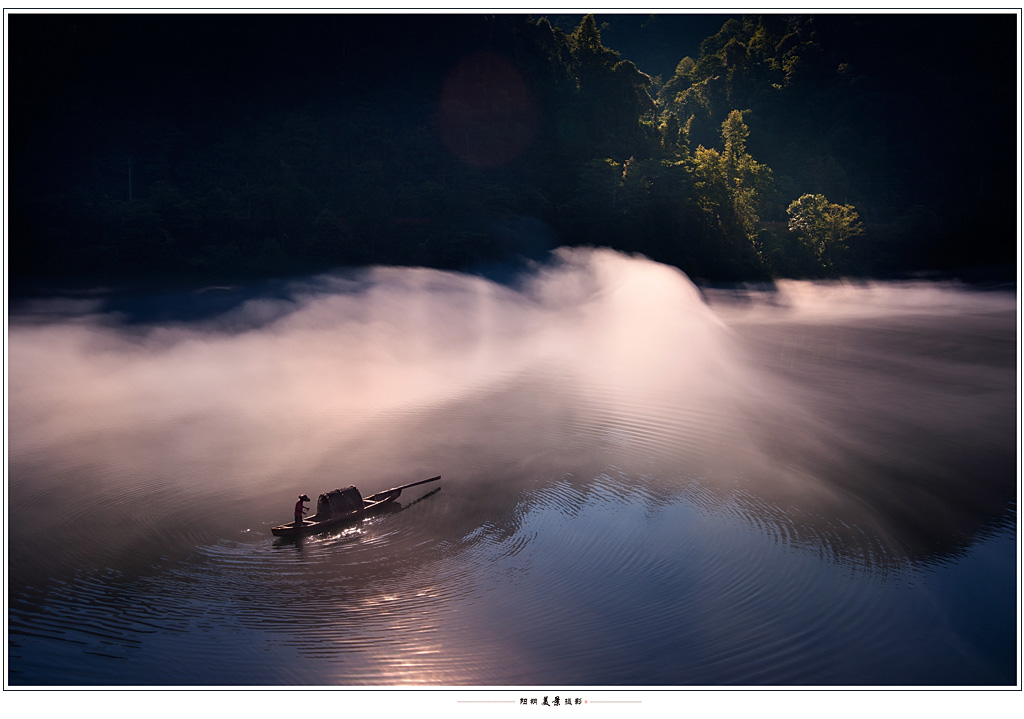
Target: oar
[(404, 486)]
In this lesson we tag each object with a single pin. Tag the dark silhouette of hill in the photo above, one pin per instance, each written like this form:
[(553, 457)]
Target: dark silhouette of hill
[(146, 147)]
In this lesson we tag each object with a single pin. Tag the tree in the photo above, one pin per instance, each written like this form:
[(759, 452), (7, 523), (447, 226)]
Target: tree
[(711, 184), (587, 37), (823, 226), (734, 137), (733, 188), (632, 93), (671, 133)]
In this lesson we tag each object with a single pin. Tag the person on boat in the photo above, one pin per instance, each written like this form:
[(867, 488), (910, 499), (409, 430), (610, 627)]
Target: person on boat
[(300, 509)]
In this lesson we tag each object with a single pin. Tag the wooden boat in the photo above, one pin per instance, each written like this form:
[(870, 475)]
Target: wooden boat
[(328, 517)]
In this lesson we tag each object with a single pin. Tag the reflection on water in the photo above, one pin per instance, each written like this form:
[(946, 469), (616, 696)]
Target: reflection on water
[(642, 484)]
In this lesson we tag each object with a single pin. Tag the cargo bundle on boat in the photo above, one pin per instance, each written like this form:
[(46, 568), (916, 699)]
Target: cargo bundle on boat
[(341, 506)]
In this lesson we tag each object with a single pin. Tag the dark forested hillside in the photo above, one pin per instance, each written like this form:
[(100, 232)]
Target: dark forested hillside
[(232, 146)]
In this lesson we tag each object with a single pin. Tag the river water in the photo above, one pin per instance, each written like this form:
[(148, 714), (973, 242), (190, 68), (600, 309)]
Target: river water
[(643, 484)]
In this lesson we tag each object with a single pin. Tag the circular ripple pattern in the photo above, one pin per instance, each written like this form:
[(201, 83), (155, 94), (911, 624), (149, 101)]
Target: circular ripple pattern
[(788, 502)]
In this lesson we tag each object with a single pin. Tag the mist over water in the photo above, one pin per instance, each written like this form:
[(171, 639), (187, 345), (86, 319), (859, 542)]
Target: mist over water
[(644, 483)]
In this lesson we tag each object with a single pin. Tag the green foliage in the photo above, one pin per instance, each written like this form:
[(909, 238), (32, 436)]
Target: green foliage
[(585, 41), (824, 227), (733, 189)]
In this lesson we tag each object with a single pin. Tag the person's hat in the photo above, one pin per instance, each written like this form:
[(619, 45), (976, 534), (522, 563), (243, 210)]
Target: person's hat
[(304, 498)]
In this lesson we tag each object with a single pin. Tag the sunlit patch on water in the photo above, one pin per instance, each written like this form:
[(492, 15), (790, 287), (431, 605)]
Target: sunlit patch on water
[(640, 485)]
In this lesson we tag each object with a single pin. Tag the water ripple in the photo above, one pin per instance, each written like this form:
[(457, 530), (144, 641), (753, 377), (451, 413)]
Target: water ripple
[(627, 500)]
